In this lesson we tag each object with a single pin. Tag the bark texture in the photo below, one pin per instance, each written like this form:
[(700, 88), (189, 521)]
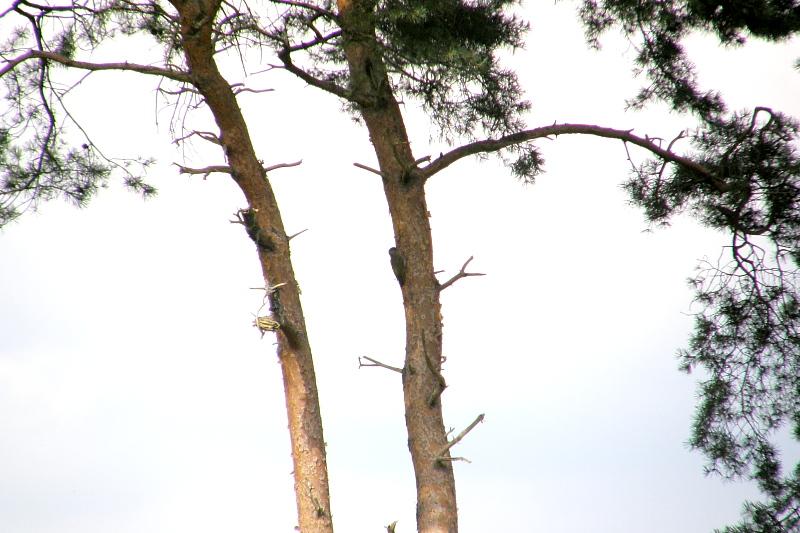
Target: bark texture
[(265, 227), (404, 188)]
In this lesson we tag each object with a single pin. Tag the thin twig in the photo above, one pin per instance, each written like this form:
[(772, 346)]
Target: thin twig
[(237, 92), (290, 237), (205, 135), (374, 362), (461, 274)]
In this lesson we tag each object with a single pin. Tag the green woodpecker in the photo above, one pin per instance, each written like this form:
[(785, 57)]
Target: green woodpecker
[(398, 265)]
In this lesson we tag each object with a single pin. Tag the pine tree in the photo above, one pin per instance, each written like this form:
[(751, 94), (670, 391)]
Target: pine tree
[(40, 161), (739, 175)]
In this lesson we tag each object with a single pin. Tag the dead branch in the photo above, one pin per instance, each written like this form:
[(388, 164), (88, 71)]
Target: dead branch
[(440, 456), (205, 171), (461, 274), (451, 459), (181, 91), (290, 237), (374, 362), (205, 135), (370, 169), (237, 92), (282, 165), (493, 145)]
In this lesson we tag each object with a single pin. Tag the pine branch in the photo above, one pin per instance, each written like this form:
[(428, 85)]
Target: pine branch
[(494, 145), (328, 86), (177, 75)]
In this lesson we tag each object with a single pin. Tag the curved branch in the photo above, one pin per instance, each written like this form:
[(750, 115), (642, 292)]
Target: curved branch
[(325, 85), (493, 145), (177, 75)]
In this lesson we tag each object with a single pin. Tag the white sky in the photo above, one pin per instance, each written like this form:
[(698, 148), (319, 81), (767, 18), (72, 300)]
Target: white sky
[(135, 395)]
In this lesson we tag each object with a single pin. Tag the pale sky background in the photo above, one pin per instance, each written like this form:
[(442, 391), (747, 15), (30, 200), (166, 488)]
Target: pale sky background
[(135, 395)]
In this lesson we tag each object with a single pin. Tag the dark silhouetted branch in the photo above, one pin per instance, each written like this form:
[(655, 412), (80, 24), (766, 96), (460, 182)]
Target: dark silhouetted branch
[(493, 145)]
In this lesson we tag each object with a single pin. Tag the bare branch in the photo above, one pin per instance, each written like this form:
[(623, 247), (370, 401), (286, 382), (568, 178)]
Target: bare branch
[(374, 362), (370, 169), (290, 237), (329, 86), (205, 135), (282, 165), (461, 274), (451, 459), (440, 456), (177, 75), (205, 171), (180, 91), (493, 145), (241, 90)]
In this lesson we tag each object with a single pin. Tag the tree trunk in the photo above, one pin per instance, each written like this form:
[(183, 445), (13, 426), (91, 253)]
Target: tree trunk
[(405, 194), (263, 222)]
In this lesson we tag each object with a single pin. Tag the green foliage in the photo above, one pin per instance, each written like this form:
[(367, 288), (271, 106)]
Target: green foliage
[(658, 28), (40, 158), (731, 19), (443, 53), (746, 339), (440, 53)]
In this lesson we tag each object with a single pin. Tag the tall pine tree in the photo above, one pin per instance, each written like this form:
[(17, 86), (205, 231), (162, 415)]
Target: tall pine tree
[(740, 175)]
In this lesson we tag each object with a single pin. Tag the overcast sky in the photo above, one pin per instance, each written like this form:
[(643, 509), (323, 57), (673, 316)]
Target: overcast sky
[(135, 395)]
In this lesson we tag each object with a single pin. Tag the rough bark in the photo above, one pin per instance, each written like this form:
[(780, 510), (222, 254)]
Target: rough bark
[(265, 227), (405, 193)]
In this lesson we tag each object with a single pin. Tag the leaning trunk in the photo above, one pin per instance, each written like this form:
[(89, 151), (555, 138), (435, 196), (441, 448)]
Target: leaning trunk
[(263, 223), (405, 193)]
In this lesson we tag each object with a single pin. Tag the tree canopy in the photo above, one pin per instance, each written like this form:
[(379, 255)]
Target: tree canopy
[(739, 175)]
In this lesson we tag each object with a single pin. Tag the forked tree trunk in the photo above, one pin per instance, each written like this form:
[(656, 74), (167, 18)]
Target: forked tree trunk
[(265, 227), (405, 194)]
